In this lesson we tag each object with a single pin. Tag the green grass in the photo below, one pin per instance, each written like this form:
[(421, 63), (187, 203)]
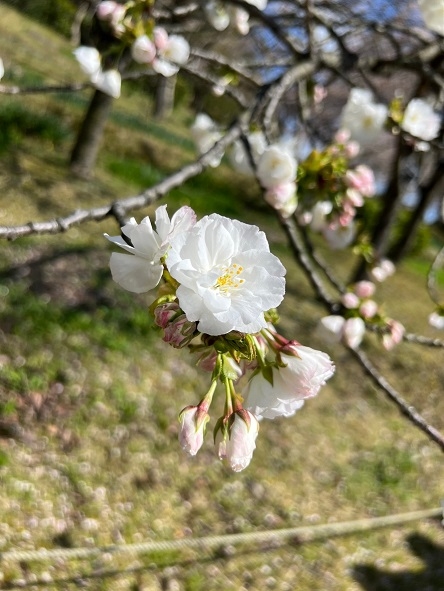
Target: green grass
[(89, 393)]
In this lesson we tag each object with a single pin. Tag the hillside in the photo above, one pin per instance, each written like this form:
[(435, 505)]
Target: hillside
[(89, 394)]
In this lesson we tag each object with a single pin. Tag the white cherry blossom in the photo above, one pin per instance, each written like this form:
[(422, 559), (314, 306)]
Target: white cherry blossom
[(420, 120), (301, 378), (141, 270), (362, 117), (228, 276), (276, 167)]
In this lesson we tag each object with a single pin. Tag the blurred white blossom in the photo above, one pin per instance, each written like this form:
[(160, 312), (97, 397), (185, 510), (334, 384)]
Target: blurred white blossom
[(420, 120), (362, 117)]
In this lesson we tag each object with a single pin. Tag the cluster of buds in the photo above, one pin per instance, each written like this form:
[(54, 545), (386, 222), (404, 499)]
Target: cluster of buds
[(264, 376), (129, 27), (217, 286), (360, 311), (331, 193)]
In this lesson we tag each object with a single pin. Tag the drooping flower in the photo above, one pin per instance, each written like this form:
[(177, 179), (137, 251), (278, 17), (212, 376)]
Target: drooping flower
[(363, 117), (301, 378), (420, 120), (142, 270), (193, 421), (228, 276), (2, 69), (238, 446), (433, 14)]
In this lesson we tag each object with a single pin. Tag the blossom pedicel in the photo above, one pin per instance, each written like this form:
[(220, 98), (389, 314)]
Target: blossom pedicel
[(217, 286)]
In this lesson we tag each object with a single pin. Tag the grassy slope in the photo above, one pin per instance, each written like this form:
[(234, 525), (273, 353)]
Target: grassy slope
[(89, 395)]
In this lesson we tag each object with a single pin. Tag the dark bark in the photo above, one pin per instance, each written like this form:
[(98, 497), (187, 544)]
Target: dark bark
[(84, 153), (401, 247)]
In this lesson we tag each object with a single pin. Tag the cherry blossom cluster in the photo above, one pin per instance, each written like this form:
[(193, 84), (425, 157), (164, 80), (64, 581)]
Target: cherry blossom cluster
[(359, 310), (330, 192), (129, 29), (220, 14), (217, 285)]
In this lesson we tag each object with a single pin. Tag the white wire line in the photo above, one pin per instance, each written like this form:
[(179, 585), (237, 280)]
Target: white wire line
[(297, 535)]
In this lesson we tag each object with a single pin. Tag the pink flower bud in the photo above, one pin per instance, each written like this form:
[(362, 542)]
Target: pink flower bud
[(342, 136), (350, 300), (282, 197), (238, 446), (165, 312), (382, 270), (105, 10), (193, 421), (394, 337), (352, 149), (365, 289), (207, 361), (179, 332), (362, 179), (368, 308)]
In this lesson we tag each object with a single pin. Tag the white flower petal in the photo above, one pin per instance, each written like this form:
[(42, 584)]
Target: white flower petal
[(134, 273)]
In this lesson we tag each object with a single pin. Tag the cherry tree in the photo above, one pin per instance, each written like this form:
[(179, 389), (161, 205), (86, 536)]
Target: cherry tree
[(333, 107)]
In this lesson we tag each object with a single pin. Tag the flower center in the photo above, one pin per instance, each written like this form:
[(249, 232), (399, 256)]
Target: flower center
[(229, 279)]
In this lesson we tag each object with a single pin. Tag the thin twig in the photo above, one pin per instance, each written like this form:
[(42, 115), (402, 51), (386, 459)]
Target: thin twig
[(406, 409), (118, 209)]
